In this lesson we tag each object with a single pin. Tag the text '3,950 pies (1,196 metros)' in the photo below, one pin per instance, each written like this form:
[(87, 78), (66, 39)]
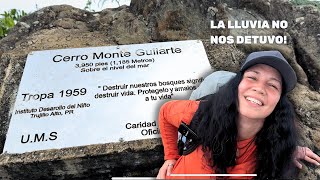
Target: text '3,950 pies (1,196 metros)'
[(82, 96)]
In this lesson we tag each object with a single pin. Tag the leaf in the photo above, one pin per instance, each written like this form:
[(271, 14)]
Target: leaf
[(8, 19), (1, 32), (13, 12), (23, 13), (9, 22)]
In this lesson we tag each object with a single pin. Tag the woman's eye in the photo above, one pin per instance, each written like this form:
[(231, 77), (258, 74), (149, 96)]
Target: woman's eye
[(274, 86), (251, 77)]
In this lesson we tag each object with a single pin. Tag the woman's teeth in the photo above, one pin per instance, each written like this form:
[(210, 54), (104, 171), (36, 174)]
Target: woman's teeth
[(254, 101)]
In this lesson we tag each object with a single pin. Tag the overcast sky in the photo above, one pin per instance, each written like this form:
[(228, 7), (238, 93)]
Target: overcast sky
[(33, 5)]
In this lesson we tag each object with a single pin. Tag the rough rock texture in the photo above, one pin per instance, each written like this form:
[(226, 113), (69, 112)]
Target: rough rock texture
[(101, 161), (304, 23), (58, 27)]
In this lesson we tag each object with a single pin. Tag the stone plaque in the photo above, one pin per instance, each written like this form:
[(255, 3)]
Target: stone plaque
[(82, 96)]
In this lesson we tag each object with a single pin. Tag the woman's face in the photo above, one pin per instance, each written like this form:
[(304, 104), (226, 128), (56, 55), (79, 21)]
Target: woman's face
[(259, 91)]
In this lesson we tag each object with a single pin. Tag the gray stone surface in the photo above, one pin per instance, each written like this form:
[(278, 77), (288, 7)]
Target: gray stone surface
[(101, 161), (58, 27)]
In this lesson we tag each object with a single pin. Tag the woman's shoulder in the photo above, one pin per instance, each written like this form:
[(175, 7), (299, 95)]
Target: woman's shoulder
[(180, 110), (181, 105)]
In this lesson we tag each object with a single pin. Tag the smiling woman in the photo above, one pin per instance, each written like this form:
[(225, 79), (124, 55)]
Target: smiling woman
[(258, 94), (247, 128)]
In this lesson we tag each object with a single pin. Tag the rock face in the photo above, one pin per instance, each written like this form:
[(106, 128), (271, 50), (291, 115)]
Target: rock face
[(57, 27)]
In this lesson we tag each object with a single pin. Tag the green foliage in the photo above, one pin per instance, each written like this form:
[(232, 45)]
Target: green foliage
[(8, 19), (88, 5), (100, 3), (306, 2), (103, 1)]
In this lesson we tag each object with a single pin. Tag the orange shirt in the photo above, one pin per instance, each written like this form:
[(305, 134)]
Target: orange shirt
[(170, 116)]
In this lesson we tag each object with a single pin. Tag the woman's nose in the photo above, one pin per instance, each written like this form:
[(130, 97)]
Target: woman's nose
[(259, 88)]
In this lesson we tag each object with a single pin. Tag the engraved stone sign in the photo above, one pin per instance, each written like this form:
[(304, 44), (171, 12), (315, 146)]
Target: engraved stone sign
[(82, 96)]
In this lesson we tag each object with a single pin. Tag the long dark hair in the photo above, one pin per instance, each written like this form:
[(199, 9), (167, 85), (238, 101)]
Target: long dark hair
[(217, 129)]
